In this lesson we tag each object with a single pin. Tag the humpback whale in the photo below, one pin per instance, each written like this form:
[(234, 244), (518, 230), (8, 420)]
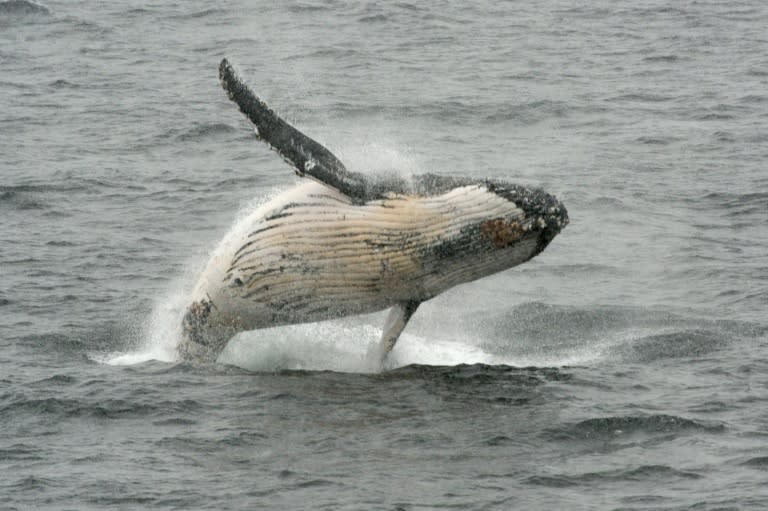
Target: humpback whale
[(344, 243)]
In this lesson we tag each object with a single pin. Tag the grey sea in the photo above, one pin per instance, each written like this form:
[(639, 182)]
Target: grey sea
[(626, 367)]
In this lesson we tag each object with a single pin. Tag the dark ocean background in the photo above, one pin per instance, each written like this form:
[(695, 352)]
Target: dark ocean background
[(624, 368)]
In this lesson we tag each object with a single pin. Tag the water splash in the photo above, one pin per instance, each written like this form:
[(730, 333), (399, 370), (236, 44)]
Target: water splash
[(342, 346), (158, 336), (349, 345)]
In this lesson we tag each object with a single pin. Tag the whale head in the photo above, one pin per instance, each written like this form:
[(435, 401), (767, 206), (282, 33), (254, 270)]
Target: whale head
[(494, 225), (544, 214)]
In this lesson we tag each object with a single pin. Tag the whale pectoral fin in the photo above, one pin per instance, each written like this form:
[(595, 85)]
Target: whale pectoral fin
[(395, 324), (307, 156)]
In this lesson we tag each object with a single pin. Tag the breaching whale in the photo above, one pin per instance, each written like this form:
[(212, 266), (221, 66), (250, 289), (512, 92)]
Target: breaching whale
[(344, 243)]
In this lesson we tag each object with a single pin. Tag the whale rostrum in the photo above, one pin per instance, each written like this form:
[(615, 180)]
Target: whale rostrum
[(344, 243)]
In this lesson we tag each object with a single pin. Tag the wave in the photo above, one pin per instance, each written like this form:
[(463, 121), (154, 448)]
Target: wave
[(22, 452), (20, 201), (638, 474), (68, 186), (57, 342), (754, 98), (462, 109), (63, 84), (18, 86), (662, 58), (759, 463), (713, 116), (736, 204), (199, 14), (309, 7), (657, 140), (641, 98), (530, 113), (109, 408), (607, 428), (33, 483), (681, 344), (374, 18), (204, 131), (22, 8)]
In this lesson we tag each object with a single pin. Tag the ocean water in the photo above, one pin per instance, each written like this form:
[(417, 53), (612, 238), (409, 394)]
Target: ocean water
[(626, 367)]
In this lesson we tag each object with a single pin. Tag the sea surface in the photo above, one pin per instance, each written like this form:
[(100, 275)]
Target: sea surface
[(626, 367)]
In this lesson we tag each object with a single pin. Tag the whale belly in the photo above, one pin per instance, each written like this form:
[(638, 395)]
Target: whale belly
[(310, 254), (307, 255)]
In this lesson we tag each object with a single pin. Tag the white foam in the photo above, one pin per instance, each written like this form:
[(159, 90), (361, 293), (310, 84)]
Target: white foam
[(339, 346), (345, 345), (329, 345)]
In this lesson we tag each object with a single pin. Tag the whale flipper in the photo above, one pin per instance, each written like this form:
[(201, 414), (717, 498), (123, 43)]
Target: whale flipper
[(308, 157), (394, 325)]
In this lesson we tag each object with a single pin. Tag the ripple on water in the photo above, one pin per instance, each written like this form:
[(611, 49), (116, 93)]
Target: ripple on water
[(20, 201), (758, 463), (52, 408), (33, 483), (21, 10), (21, 452), (607, 428), (215, 130), (639, 474), (682, 344)]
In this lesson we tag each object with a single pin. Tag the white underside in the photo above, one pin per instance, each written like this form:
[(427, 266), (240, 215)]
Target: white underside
[(328, 257)]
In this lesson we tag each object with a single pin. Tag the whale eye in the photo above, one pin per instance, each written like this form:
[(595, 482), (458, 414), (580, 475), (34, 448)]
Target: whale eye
[(237, 282)]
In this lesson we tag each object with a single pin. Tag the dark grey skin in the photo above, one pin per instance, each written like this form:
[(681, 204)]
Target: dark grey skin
[(356, 244)]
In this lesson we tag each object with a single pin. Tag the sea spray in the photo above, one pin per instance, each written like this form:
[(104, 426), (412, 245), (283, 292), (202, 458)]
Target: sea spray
[(161, 330), (158, 334)]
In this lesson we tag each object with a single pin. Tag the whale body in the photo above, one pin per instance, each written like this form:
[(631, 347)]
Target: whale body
[(343, 243)]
